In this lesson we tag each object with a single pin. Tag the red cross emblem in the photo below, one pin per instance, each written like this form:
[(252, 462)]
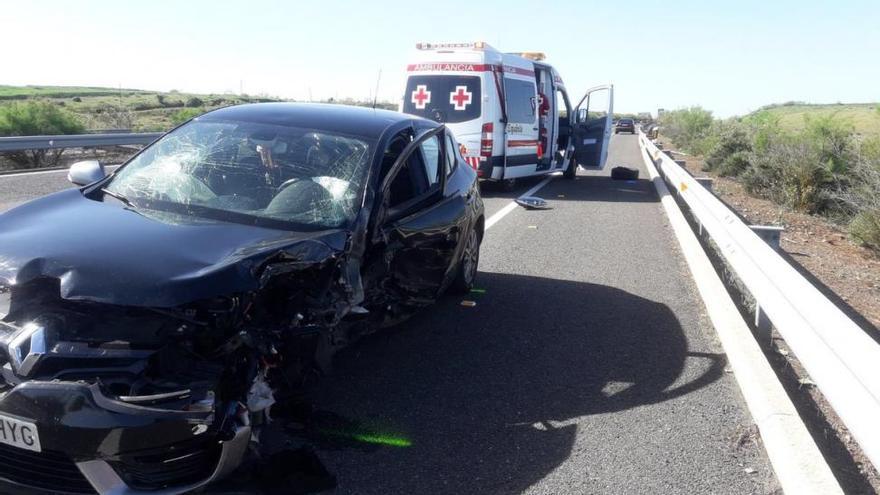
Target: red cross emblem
[(461, 97), (421, 96)]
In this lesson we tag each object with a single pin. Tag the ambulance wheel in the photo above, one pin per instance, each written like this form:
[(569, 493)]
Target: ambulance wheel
[(508, 185), (572, 170), (467, 267)]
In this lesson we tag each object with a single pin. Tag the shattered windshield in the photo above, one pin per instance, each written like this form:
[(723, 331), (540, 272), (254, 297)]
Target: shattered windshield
[(248, 172)]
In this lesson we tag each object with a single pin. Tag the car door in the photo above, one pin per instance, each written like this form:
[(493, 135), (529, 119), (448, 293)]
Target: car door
[(420, 221), (592, 126)]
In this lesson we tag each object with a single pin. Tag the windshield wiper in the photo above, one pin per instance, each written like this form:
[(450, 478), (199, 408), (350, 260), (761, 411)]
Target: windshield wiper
[(118, 196)]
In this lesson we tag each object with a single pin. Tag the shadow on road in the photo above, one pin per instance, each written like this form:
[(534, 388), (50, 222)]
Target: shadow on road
[(482, 395)]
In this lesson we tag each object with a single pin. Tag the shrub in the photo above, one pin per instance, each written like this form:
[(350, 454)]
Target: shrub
[(865, 229), (161, 99), (831, 137), (77, 99), (735, 164), (730, 153), (862, 196), (113, 117), (37, 118), (185, 114), (194, 102), (791, 174), (687, 127)]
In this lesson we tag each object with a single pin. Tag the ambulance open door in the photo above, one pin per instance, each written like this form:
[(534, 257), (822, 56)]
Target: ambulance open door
[(592, 125)]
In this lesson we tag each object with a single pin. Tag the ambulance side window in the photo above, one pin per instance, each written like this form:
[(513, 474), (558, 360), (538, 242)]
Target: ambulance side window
[(521, 100)]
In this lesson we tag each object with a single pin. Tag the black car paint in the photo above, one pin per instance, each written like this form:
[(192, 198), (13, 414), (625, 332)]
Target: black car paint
[(105, 252), (102, 253)]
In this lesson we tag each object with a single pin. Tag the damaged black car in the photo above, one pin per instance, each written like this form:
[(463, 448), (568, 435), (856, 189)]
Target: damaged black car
[(151, 317)]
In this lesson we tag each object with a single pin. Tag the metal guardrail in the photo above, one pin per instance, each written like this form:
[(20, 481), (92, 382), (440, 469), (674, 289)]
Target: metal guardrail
[(18, 143), (839, 356)]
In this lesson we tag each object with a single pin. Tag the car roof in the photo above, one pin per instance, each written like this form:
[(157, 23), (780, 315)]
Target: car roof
[(345, 119)]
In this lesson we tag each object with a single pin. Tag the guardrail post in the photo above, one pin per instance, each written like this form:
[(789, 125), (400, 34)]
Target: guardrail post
[(771, 234), (704, 181), (763, 326)]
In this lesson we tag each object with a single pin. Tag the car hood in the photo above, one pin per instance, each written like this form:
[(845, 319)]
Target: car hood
[(107, 253)]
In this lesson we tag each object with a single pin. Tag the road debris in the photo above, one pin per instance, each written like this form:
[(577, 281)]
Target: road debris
[(468, 304), (533, 203), (624, 173)]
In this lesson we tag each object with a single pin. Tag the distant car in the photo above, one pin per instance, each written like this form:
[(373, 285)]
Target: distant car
[(625, 125), (150, 317)]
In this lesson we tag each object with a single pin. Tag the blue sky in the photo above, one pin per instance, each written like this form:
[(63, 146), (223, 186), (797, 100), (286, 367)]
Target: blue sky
[(730, 57)]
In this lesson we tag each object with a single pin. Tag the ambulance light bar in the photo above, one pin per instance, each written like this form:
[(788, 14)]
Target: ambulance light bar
[(536, 56), (479, 45)]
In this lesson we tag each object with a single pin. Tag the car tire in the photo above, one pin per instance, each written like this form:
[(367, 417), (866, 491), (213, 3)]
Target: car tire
[(571, 172), (467, 266), (507, 185)]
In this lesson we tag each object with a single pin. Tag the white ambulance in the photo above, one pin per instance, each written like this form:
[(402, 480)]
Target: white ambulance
[(510, 111)]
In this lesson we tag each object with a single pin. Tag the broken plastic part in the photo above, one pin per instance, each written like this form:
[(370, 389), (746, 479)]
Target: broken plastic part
[(533, 203)]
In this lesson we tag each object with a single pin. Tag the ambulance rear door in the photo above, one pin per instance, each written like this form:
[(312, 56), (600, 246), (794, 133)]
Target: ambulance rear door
[(521, 101)]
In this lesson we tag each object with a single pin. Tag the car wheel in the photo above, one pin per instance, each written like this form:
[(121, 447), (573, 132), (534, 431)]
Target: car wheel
[(467, 267), (572, 170), (508, 185)]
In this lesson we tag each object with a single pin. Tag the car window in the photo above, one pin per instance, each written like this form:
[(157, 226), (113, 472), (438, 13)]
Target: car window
[(431, 154), (249, 172), (451, 154), (418, 174), (520, 97)]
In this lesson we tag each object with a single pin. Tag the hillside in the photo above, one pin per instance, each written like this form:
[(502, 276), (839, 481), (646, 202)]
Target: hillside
[(115, 108), (864, 117), (137, 109)]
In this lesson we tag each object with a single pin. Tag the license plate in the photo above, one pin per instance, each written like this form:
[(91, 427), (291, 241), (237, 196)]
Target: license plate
[(19, 433)]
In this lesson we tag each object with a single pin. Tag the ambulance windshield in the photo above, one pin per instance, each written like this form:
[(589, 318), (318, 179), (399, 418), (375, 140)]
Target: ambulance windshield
[(445, 99)]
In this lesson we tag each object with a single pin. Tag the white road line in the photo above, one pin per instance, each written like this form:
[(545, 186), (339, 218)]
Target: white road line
[(799, 466), (512, 205)]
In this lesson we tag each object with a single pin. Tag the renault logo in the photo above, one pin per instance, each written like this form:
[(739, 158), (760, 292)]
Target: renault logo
[(26, 348)]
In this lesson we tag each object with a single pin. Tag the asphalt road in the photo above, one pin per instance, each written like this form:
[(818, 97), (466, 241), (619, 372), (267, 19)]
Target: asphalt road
[(586, 366)]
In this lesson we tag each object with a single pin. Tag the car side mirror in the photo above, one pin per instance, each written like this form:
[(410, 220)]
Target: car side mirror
[(86, 172)]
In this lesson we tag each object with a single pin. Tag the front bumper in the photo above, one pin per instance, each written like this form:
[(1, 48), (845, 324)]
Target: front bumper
[(92, 443)]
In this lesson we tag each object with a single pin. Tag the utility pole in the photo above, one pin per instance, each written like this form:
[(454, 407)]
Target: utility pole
[(376, 94)]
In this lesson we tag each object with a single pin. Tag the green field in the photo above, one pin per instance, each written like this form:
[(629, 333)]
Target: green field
[(25, 92), (864, 117)]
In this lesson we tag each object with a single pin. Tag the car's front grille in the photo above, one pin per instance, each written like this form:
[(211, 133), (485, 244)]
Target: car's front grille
[(46, 470), (181, 466)]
